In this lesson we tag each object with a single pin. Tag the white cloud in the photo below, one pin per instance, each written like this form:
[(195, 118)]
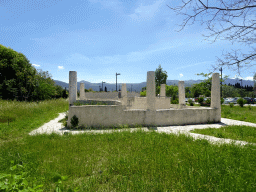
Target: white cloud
[(35, 65), (60, 67), (146, 11), (239, 77), (181, 75), (248, 78)]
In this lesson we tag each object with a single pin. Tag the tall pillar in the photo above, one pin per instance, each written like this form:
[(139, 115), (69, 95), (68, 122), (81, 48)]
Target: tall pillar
[(215, 96), (124, 90), (182, 103), (72, 86), (151, 99), (215, 91), (162, 91), (151, 90), (82, 92), (124, 94)]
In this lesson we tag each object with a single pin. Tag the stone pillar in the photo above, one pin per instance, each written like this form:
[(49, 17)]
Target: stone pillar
[(82, 93), (124, 94), (162, 91), (151, 99), (72, 86), (215, 96), (182, 103), (151, 90), (215, 91)]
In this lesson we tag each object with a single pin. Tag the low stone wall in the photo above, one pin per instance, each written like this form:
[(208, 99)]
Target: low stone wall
[(110, 115), (141, 103), (104, 101), (108, 95)]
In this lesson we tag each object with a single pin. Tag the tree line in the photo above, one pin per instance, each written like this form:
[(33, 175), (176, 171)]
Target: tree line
[(21, 81)]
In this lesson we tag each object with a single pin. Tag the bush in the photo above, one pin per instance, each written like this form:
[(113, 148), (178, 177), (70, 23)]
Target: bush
[(143, 94), (221, 101), (231, 105), (200, 100), (74, 121), (175, 101), (208, 101), (191, 103), (241, 102)]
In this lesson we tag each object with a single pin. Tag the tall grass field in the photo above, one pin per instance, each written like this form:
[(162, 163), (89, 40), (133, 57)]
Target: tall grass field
[(119, 161)]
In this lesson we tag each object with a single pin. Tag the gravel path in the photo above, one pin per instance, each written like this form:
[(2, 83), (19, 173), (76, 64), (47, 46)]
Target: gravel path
[(56, 127)]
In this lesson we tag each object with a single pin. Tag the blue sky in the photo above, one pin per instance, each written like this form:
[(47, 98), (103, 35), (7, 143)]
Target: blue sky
[(98, 38)]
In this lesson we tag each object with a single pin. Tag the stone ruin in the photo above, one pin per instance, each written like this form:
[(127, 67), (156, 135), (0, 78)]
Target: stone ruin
[(151, 110)]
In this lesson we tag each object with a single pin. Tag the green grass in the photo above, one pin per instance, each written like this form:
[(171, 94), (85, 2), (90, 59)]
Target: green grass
[(120, 161), (27, 116), (140, 161), (243, 133), (245, 113)]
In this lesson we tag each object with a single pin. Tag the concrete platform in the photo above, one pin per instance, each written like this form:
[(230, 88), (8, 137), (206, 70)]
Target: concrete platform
[(56, 127)]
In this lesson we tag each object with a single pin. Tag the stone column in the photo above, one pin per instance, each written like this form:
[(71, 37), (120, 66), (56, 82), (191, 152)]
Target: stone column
[(162, 91), (72, 86), (215, 91), (82, 93), (151, 90), (151, 98), (215, 96), (182, 103), (124, 94)]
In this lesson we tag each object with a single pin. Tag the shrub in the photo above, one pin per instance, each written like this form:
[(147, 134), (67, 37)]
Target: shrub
[(143, 94), (74, 121), (208, 101), (241, 102), (221, 101), (175, 101), (191, 103), (200, 100), (231, 105), (249, 107)]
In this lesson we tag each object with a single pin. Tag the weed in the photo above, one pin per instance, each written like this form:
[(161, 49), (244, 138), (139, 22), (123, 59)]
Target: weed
[(74, 121), (16, 182)]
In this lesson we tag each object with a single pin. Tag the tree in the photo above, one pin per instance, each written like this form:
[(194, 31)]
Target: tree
[(45, 86), (16, 74), (20, 80), (227, 16), (206, 85), (160, 76), (229, 91)]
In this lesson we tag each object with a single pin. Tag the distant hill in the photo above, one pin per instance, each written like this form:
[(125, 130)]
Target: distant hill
[(138, 86)]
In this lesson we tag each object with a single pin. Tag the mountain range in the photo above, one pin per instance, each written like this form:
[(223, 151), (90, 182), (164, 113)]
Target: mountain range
[(138, 86)]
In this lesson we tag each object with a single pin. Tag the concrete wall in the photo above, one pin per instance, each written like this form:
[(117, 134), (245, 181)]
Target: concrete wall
[(111, 115), (104, 101), (108, 95), (141, 103)]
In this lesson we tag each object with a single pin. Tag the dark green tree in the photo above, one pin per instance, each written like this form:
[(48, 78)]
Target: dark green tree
[(16, 74), (160, 76)]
